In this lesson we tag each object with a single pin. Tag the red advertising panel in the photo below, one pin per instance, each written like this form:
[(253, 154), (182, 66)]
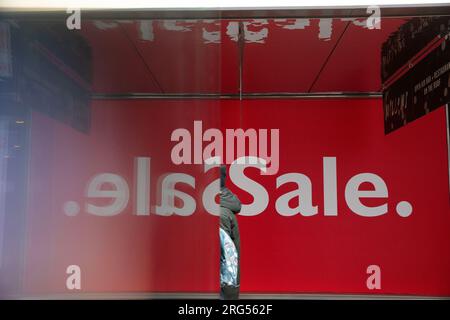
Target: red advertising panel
[(332, 242), (349, 210), (93, 198)]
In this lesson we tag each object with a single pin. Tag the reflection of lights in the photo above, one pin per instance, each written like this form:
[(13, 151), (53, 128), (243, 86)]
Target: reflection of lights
[(7, 157), (16, 146), (20, 121)]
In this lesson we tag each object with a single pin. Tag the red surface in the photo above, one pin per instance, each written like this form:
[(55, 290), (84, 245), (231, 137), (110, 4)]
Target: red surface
[(117, 66), (288, 60), (355, 63), (122, 253), (129, 56), (162, 60), (128, 253), (331, 254), (320, 254), (174, 56)]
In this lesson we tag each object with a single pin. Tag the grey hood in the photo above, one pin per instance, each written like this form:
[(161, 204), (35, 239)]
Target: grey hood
[(229, 200)]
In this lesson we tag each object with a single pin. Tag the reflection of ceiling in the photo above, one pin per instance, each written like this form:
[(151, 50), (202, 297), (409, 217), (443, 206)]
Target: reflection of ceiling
[(202, 56)]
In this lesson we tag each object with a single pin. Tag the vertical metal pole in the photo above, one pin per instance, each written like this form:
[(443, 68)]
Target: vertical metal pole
[(241, 43)]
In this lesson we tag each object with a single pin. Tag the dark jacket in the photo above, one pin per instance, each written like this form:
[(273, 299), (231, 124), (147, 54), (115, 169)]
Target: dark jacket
[(229, 206)]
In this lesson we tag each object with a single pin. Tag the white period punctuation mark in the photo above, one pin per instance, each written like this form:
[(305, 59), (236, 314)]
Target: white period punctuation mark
[(71, 208), (404, 209), (74, 279), (374, 279)]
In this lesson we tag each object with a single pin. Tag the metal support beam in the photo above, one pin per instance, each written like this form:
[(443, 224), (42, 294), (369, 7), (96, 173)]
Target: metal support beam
[(237, 96)]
